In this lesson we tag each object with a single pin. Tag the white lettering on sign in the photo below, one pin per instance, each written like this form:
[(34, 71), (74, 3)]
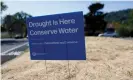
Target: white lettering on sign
[(70, 21), (45, 32), (51, 23), (40, 24), (57, 30), (69, 30), (60, 31)]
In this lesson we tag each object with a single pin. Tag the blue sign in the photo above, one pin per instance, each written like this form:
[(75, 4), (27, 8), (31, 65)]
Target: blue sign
[(57, 37)]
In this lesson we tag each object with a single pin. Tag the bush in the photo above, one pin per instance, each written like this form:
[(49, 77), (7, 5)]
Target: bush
[(123, 31), (131, 32), (3, 29)]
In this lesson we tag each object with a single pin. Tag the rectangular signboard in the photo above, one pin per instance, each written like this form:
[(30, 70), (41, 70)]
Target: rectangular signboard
[(57, 37)]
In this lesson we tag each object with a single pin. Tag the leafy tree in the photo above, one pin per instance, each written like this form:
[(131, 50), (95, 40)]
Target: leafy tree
[(3, 6), (94, 20), (16, 23), (7, 22), (21, 18), (95, 7)]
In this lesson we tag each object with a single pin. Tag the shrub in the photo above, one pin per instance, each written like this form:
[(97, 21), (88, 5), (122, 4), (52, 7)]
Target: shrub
[(131, 32), (123, 31)]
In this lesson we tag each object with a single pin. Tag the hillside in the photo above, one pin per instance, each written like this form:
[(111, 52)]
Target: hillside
[(119, 16)]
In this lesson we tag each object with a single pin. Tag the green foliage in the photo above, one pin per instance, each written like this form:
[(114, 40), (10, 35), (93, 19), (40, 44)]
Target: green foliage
[(3, 6), (121, 16), (123, 22), (95, 7), (123, 31), (94, 20), (130, 20), (3, 29), (18, 20), (7, 21), (4, 35)]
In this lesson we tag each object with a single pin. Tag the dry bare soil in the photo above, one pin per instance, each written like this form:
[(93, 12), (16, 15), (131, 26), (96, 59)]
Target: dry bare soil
[(107, 59)]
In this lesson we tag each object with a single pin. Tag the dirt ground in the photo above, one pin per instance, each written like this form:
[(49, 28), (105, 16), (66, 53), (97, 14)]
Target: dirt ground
[(107, 59)]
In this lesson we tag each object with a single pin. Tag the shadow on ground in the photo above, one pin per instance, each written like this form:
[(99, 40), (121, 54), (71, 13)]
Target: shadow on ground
[(5, 58)]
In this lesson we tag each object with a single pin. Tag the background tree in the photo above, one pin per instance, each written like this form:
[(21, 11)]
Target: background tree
[(122, 21), (3, 6), (131, 23), (94, 20), (7, 22), (16, 24), (21, 19)]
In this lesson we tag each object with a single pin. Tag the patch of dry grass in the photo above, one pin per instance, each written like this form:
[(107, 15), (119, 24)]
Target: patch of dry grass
[(107, 59)]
